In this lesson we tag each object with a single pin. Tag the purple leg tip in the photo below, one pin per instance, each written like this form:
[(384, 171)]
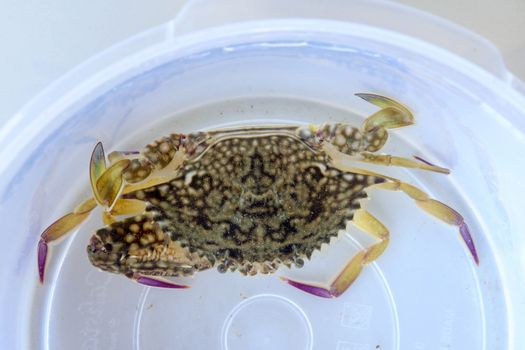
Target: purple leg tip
[(42, 256), (317, 291), (157, 282), (465, 234)]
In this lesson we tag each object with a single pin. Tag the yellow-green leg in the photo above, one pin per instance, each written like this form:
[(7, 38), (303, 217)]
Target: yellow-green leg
[(437, 209), (107, 185), (388, 160), (431, 206), (60, 228), (346, 144), (369, 224), (341, 160)]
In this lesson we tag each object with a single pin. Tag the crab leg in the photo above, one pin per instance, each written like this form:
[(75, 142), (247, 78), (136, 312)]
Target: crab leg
[(381, 159), (59, 229), (433, 207), (392, 115), (386, 159), (345, 144), (106, 184), (369, 224), (437, 209), (157, 282)]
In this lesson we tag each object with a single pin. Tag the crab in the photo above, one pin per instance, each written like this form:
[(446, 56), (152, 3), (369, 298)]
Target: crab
[(245, 199)]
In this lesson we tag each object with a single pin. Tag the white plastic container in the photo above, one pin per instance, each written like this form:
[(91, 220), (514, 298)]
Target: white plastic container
[(424, 293)]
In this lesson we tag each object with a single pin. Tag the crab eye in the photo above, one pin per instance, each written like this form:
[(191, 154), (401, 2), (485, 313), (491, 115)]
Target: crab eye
[(108, 247), (94, 244)]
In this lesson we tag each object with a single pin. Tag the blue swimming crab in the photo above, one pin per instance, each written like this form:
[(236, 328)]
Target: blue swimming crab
[(245, 199)]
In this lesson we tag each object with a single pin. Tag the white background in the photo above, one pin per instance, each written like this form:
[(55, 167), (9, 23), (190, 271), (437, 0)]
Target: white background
[(43, 39)]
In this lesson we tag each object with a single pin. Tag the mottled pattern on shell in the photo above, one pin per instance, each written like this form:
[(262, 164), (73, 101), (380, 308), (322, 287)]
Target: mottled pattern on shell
[(137, 244), (253, 203)]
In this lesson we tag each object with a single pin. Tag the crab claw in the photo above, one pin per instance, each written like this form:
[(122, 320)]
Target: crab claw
[(97, 167), (392, 114), (156, 282), (110, 184), (382, 101), (106, 183)]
